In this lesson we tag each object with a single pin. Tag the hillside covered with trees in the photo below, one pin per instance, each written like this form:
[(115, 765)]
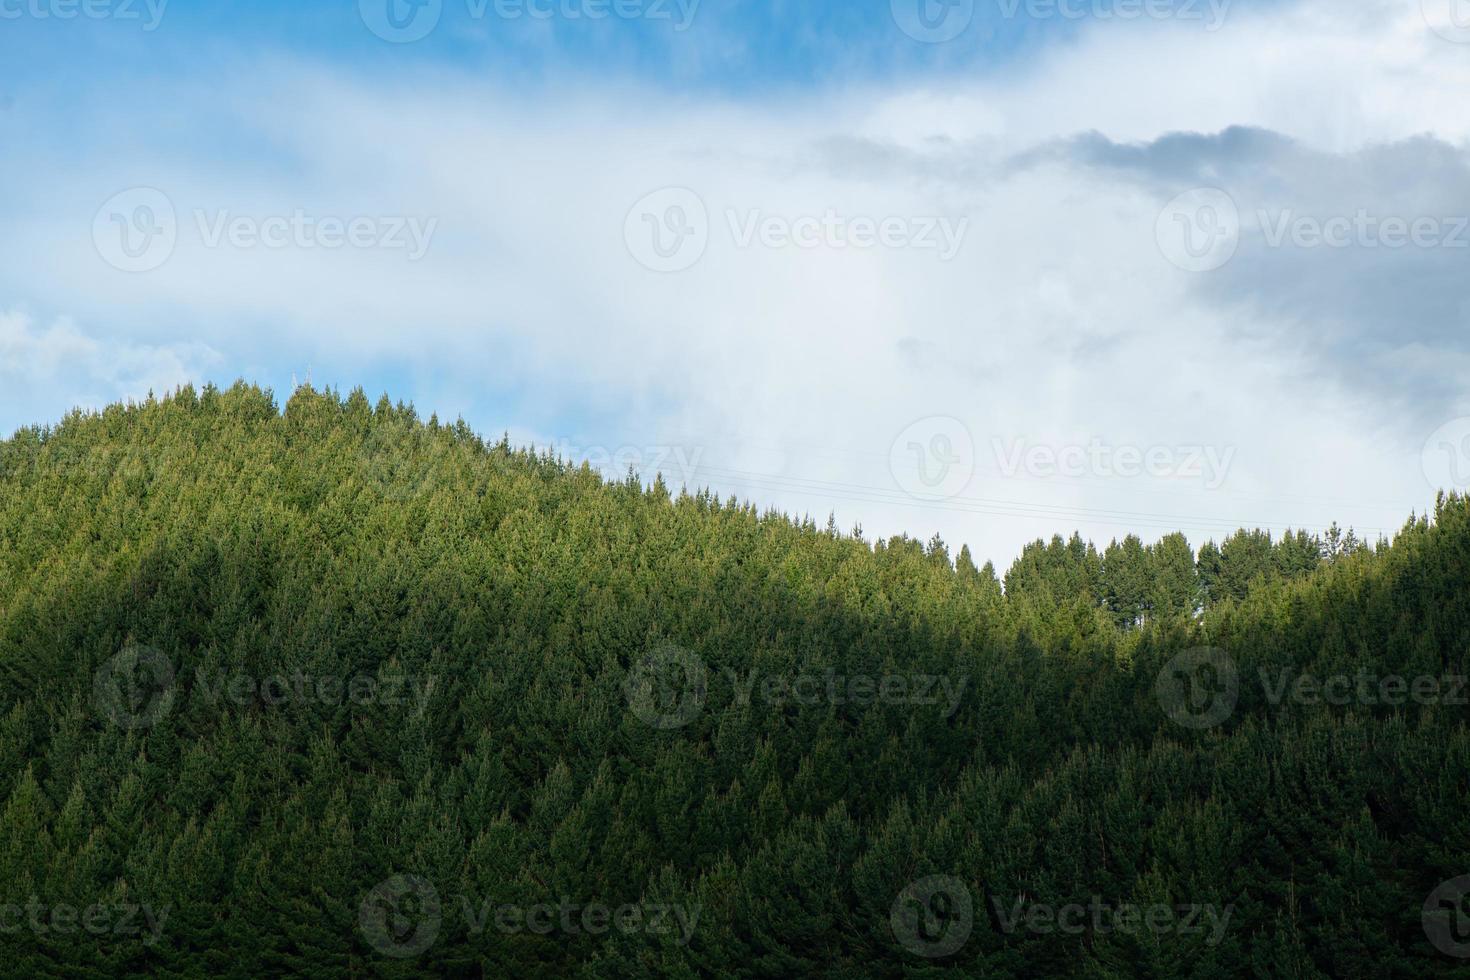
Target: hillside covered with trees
[(324, 689)]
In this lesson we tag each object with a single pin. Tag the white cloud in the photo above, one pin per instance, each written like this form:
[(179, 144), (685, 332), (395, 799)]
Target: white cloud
[(1334, 75), (1058, 322), (46, 371)]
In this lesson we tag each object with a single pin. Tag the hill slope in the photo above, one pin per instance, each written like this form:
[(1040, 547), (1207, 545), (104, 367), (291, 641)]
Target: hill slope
[(334, 691)]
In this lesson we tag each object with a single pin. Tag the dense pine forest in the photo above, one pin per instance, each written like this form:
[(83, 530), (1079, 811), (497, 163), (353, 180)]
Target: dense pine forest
[(326, 689)]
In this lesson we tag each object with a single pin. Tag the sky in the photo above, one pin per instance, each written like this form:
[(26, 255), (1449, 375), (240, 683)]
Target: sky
[(991, 269)]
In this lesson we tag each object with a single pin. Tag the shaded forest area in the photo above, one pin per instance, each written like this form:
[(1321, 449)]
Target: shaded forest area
[(337, 691)]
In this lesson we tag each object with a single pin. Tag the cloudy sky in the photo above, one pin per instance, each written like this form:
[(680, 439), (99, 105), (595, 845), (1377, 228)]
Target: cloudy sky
[(988, 268)]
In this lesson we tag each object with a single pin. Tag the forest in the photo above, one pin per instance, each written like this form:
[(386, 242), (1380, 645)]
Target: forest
[(327, 689)]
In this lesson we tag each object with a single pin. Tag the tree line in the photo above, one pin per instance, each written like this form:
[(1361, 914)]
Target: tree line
[(328, 689)]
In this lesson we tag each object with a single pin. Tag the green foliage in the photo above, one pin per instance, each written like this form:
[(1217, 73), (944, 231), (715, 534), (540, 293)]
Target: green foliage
[(405, 662)]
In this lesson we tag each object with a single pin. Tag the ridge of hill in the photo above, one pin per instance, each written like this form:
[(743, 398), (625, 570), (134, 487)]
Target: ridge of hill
[(338, 690)]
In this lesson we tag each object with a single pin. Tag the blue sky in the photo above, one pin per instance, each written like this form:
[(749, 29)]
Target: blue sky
[(723, 45), (512, 178)]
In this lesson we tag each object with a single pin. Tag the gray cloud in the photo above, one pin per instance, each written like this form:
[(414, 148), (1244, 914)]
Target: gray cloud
[(1356, 311)]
